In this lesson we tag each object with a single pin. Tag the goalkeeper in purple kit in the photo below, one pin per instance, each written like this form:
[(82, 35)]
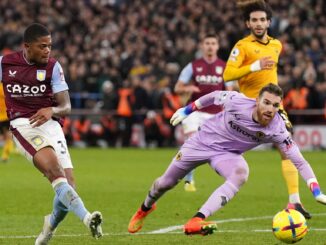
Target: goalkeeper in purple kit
[(243, 124)]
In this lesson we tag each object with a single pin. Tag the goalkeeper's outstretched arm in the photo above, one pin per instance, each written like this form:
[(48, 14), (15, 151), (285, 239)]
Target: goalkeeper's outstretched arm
[(293, 153), (216, 97)]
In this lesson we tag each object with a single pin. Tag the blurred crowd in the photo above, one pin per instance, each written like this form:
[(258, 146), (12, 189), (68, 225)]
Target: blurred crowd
[(124, 56)]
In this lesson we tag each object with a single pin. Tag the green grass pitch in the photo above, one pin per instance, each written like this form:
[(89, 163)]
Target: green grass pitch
[(116, 181)]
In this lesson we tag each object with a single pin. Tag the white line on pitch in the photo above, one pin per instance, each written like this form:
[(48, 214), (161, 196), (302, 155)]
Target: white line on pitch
[(178, 227), (172, 229)]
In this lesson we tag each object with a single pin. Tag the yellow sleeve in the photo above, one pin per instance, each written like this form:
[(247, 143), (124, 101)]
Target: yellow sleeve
[(234, 69), (233, 73)]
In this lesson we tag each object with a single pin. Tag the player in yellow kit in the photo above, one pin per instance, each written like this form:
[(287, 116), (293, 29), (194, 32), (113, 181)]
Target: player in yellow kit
[(253, 63), (4, 128)]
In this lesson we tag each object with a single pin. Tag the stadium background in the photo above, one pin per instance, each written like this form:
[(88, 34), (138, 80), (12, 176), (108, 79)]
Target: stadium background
[(112, 50), (106, 46)]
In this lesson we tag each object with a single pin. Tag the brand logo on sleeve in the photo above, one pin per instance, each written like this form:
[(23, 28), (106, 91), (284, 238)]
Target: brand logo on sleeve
[(199, 69), (12, 73)]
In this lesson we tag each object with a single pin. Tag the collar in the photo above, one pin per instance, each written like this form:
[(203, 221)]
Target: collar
[(26, 59), (253, 39)]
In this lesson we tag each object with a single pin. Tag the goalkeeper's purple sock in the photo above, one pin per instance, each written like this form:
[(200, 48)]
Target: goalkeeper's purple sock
[(220, 197)]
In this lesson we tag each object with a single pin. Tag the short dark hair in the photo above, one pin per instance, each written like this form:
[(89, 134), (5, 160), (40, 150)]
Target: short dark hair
[(34, 31), (211, 35), (248, 7), (272, 89)]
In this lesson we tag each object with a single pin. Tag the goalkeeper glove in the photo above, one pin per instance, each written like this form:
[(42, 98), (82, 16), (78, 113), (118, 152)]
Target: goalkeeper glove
[(182, 113), (315, 189)]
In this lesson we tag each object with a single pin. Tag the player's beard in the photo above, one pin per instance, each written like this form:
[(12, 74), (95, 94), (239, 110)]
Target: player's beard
[(258, 36), (262, 119)]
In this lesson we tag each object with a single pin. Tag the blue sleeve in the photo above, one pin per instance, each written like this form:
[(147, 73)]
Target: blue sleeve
[(1, 68), (186, 74), (58, 81)]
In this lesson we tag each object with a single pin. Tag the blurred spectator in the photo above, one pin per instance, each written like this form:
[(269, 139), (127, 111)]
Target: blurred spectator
[(67, 130), (296, 98), (156, 130), (125, 113), (109, 96), (109, 125), (81, 131), (100, 40)]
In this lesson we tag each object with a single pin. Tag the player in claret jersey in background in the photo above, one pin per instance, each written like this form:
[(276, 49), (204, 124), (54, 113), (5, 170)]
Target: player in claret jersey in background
[(221, 141), (200, 77), (36, 95), (253, 62)]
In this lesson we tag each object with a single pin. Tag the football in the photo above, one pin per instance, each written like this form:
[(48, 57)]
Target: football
[(289, 226)]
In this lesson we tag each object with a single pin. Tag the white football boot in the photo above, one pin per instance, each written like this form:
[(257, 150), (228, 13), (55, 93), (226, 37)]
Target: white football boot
[(47, 232), (93, 221)]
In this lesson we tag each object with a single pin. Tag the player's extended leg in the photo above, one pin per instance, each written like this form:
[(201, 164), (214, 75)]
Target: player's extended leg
[(190, 126), (58, 214), (235, 171), (66, 197), (167, 181)]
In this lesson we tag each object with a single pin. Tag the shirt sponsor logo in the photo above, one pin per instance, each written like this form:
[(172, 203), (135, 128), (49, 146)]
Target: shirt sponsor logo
[(208, 79), (243, 132), (199, 69), (40, 75), (17, 90)]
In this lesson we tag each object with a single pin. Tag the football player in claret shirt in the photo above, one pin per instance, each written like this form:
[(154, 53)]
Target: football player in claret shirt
[(200, 77), (253, 63), (36, 95), (221, 141)]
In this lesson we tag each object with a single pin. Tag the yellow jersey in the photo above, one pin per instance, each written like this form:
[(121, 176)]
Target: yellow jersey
[(245, 52), (3, 108)]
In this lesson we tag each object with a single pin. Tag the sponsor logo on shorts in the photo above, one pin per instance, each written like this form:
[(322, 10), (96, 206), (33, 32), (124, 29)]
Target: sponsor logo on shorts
[(178, 156), (37, 140)]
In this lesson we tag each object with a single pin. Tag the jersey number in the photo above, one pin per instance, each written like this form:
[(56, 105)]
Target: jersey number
[(62, 146)]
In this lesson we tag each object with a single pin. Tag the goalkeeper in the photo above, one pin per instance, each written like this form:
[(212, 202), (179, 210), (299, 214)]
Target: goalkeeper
[(243, 124)]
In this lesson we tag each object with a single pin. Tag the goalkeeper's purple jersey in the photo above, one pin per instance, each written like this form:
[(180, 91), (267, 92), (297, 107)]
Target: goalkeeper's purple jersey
[(233, 130)]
